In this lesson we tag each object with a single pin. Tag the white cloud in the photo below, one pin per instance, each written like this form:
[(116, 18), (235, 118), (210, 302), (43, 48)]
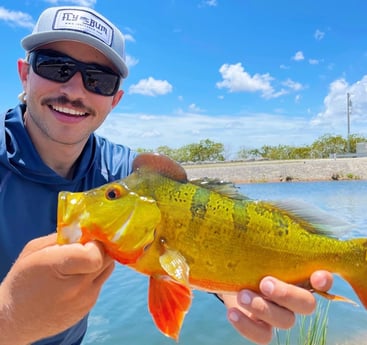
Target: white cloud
[(298, 56), (293, 85), (131, 61), (208, 3), (334, 116), (151, 134), (319, 35), (313, 61), (151, 87), (16, 18), (194, 108), (236, 79), (85, 3), (252, 130), (129, 38)]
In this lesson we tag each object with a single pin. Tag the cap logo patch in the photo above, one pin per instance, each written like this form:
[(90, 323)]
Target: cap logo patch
[(83, 21)]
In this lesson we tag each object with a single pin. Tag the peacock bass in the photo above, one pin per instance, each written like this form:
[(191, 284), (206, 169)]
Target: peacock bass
[(193, 235)]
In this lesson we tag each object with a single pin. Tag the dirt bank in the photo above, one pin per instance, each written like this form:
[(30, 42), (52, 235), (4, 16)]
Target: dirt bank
[(290, 170)]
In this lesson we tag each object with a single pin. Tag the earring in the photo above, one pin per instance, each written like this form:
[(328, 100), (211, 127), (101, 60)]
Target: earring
[(22, 97)]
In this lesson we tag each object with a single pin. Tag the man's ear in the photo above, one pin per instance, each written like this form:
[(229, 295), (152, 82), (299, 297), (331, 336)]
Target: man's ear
[(117, 98), (23, 71)]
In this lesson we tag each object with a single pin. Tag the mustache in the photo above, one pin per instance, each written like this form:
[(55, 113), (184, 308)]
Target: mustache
[(63, 100)]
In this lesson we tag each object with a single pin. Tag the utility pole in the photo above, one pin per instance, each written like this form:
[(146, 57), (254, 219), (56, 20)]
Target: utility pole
[(349, 106)]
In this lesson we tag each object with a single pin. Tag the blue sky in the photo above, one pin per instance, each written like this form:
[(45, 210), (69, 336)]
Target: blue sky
[(245, 73)]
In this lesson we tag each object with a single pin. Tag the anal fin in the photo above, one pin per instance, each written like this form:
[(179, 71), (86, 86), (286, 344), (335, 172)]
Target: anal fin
[(169, 302)]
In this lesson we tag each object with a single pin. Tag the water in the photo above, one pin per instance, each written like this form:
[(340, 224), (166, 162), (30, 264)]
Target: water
[(121, 315)]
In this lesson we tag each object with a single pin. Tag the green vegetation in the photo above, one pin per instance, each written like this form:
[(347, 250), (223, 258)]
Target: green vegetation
[(208, 150), (351, 176), (205, 150), (312, 329), (323, 147)]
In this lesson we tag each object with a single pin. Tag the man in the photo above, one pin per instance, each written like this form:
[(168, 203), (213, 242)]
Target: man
[(71, 79)]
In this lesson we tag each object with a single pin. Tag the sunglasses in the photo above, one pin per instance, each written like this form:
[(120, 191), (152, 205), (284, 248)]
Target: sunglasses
[(55, 66)]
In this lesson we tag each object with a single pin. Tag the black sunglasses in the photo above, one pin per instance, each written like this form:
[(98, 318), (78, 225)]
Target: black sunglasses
[(55, 66)]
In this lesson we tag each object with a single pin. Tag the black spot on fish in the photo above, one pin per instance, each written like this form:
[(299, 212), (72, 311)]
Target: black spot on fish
[(199, 203)]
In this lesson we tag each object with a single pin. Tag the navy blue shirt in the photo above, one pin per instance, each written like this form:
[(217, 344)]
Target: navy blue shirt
[(29, 191)]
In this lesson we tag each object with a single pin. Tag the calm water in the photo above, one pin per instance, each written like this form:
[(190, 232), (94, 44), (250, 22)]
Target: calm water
[(121, 315)]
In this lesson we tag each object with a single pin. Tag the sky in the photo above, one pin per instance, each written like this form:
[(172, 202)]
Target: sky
[(244, 73)]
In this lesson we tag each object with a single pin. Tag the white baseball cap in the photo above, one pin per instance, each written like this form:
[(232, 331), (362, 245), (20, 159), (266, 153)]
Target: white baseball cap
[(80, 24)]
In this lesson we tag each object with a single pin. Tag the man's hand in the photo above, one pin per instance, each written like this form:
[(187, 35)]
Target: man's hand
[(50, 288), (255, 315)]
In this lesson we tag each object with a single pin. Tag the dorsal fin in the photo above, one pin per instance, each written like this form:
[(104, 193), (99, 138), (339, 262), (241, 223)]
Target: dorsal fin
[(322, 222), (167, 167), (225, 188), (160, 164)]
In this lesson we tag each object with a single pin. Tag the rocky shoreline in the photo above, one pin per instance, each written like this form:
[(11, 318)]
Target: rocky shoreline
[(279, 171)]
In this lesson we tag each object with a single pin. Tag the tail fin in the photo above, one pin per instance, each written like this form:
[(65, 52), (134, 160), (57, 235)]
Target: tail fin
[(357, 271)]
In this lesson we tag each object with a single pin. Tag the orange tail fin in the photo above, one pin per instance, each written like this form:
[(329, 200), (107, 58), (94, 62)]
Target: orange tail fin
[(356, 273), (359, 286)]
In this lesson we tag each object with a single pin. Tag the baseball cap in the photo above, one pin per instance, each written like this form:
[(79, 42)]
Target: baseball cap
[(81, 24)]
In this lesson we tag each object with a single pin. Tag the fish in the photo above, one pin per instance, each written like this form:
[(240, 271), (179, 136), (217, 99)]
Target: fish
[(204, 235)]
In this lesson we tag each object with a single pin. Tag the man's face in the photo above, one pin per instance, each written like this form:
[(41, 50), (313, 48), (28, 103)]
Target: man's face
[(65, 113)]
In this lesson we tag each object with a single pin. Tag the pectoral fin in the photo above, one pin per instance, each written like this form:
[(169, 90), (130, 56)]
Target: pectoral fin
[(174, 263), (169, 302)]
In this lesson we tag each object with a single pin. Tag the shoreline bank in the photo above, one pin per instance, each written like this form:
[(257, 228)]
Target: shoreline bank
[(285, 170)]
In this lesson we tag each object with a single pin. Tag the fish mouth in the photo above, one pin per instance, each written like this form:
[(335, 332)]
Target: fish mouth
[(68, 223)]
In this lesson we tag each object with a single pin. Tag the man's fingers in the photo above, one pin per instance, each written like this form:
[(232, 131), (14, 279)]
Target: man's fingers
[(289, 296), (256, 331), (255, 315), (76, 258), (105, 274), (266, 311), (38, 244), (321, 280)]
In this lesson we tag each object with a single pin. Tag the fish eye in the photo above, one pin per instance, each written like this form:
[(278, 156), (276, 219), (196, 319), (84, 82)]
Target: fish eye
[(114, 192)]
